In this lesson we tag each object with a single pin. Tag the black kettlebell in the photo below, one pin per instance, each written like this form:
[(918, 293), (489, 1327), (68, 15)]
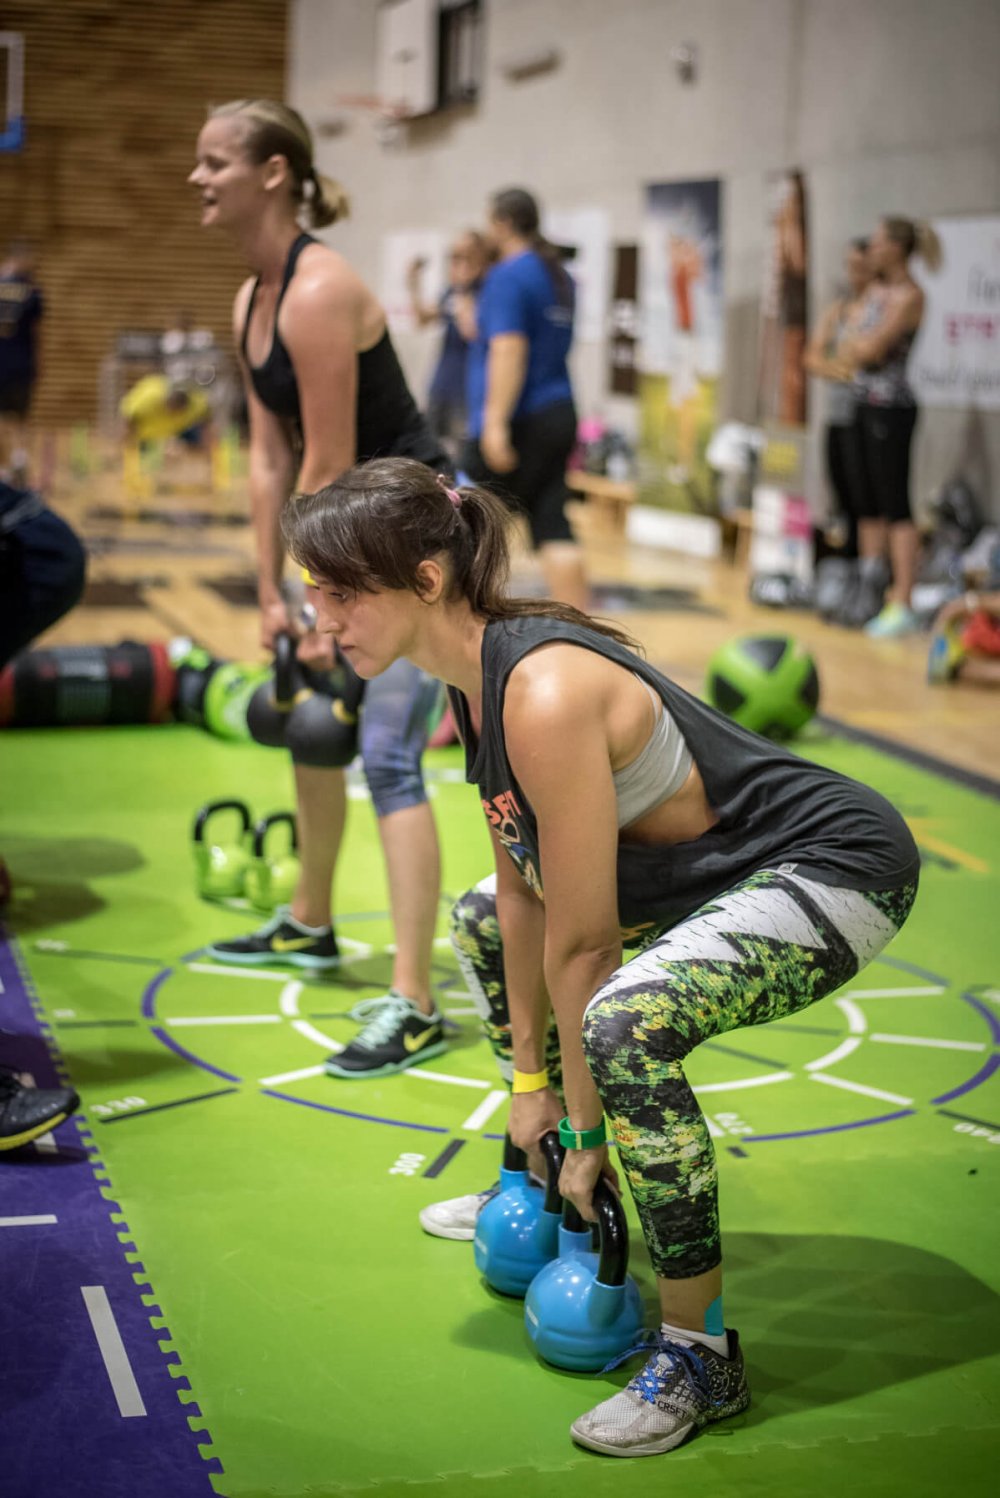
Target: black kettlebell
[(323, 730), (272, 704)]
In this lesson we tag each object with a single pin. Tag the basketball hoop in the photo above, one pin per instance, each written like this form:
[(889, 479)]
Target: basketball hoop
[(389, 117)]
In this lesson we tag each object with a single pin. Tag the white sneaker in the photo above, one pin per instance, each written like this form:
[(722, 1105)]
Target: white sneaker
[(456, 1218)]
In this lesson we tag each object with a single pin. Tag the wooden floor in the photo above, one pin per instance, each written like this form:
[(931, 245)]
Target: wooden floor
[(878, 686)]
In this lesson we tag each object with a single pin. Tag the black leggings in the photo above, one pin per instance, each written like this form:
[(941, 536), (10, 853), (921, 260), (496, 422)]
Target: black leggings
[(885, 435), (842, 459), (543, 442)]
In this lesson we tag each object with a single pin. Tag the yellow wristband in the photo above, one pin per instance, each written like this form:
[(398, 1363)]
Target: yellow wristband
[(530, 1081)]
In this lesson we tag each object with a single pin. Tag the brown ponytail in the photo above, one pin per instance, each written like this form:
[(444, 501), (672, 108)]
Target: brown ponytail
[(373, 527), (915, 237), (327, 203)]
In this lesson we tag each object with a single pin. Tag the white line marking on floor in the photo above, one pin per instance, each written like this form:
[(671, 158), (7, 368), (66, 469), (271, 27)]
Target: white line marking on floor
[(489, 1105), (896, 993), (714, 1130), (443, 943), (774, 1076), (944, 1045), (832, 1057), (887, 1097), (109, 1340), (289, 1001), (291, 1076), (237, 972), (857, 1020), (28, 1222), (421, 1073), (224, 1019), (317, 1037), (451, 1012)]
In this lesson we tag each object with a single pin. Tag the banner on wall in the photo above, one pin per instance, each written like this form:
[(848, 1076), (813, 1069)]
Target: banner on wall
[(782, 390), (623, 330), (585, 235), (681, 348), (956, 358)]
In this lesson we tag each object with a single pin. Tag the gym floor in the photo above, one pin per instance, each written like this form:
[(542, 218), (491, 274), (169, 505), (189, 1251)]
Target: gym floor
[(214, 1279)]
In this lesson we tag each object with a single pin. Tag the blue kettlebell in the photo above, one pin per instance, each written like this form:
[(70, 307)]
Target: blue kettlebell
[(583, 1308), (517, 1233)]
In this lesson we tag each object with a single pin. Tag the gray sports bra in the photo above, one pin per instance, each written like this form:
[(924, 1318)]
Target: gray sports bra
[(659, 770)]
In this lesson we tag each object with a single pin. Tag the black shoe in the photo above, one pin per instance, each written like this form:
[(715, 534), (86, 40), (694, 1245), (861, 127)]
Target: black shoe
[(28, 1112), (398, 1036), (282, 941)]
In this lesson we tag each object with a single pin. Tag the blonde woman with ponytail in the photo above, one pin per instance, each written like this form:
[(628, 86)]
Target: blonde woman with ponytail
[(876, 354), (324, 390)]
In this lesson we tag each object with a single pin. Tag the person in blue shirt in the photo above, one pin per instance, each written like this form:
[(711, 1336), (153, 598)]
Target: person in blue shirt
[(522, 420), (20, 314), (455, 313)]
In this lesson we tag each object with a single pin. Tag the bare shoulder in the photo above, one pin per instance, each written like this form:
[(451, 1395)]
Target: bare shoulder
[(559, 688), (324, 278)]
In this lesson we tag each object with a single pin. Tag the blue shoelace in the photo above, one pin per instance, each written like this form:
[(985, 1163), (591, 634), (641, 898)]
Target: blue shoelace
[(684, 1360)]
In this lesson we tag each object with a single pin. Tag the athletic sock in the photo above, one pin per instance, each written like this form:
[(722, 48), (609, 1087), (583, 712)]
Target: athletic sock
[(719, 1344), (307, 930)]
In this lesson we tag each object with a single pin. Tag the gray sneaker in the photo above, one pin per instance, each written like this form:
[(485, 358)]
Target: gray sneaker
[(683, 1386)]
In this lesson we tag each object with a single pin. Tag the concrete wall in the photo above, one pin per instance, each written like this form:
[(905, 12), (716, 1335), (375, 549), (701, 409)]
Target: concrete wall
[(887, 105)]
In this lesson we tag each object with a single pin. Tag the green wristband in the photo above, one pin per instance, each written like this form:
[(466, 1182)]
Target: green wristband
[(581, 1139)]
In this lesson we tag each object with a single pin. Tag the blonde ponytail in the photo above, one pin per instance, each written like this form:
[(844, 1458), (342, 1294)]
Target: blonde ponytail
[(327, 203), (928, 245)]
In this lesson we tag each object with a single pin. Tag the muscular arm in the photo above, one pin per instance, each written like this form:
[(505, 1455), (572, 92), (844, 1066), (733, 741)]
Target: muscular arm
[(506, 368), (902, 315), (521, 917), (318, 326), (574, 802), (815, 359), (272, 473)]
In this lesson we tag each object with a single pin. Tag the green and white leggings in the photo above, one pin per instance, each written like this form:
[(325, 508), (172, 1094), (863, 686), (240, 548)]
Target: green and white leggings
[(766, 949)]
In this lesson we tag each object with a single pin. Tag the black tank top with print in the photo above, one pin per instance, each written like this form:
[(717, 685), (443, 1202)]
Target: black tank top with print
[(773, 807), (388, 422)]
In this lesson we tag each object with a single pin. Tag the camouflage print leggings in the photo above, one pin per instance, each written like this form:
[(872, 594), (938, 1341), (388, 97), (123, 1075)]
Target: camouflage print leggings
[(769, 947)]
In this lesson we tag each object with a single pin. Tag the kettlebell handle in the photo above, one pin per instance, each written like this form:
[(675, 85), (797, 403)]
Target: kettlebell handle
[(209, 810), (553, 1152), (285, 671), (612, 1265), (263, 828), (513, 1158)]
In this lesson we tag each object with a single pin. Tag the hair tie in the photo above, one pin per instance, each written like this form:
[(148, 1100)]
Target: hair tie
[(452, 494)]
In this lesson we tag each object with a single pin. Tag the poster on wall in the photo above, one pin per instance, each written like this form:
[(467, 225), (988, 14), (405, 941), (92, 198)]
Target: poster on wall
[(399, 252), (681, 348), (782, 390), (956, 358), (623, 327), (585, 234)]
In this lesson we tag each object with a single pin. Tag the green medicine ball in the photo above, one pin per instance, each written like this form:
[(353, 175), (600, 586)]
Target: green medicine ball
[(767, 683)]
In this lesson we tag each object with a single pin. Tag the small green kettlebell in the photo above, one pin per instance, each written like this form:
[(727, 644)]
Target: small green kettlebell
[(220, 868), (271, 881)]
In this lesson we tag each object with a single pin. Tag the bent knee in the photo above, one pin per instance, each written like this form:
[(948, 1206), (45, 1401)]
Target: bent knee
[(619, 1023)]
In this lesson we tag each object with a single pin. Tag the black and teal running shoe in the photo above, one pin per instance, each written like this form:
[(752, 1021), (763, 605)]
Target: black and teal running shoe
[(282, 942), (398, 1035)]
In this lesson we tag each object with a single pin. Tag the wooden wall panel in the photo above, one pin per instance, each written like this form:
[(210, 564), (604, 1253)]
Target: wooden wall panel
[(115, 94)]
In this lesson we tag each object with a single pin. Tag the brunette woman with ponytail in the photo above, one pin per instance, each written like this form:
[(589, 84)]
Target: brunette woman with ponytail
[(324, 389), (623, 813), (522, 421)]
